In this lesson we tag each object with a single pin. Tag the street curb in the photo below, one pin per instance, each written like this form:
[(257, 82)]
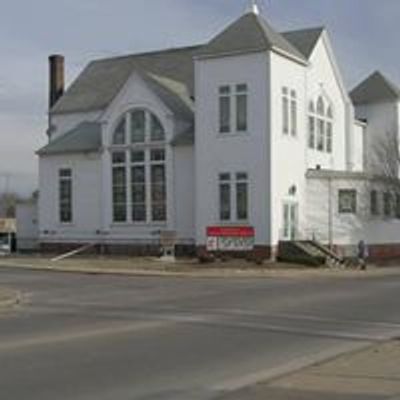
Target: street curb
[(142, 273), (216, 274)]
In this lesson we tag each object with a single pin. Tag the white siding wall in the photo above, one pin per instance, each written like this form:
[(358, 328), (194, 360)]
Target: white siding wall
[(92, 184), (325, 221), (358, 146), (287, 152), (184, 192), (86, 178), (244, 152), (321, 79), (136, 94)]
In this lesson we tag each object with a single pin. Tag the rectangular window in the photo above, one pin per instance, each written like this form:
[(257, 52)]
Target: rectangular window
[(242, 196), (329, 134), (289, 111), (285, 110), (225, 109), (138, 186), (158, 186), (225, 197), (374, 203), (293, 113), (347, 201), (387, 204), (397, 205), (320, 134), (65, 195), (241, 108), (311, 133), (119, 192)]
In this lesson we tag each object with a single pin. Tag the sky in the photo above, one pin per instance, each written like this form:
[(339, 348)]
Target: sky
[(364, 34)]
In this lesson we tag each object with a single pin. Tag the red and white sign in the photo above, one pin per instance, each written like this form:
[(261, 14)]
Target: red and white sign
[(230, 238)]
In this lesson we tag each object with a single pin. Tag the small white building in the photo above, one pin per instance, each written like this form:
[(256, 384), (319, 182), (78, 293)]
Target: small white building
[(7, 235), (252, 136)]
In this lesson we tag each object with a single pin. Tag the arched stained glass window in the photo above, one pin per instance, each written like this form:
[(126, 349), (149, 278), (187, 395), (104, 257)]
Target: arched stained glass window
[(329, 112), (139, 170), (320, 106), (119, 137), (320, 125)]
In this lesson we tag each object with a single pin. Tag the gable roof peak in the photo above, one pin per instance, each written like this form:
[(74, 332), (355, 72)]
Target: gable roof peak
[(375, 88), (305, 40), (253, 7), (250, 33)]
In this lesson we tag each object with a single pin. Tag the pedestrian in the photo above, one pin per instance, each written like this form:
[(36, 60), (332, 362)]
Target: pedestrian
[(362, 255)]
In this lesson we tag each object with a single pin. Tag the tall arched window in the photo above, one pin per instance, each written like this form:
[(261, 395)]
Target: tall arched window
[(320, 123), (138, 169)]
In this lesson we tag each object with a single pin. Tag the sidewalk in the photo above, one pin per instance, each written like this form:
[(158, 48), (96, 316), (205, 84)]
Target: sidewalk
[(373, 373), (185, 268)]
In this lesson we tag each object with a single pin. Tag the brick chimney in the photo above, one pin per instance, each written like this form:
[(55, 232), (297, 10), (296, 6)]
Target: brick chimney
[(57, 79)]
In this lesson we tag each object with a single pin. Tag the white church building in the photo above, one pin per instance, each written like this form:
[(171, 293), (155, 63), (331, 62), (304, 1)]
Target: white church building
[(243, 143)]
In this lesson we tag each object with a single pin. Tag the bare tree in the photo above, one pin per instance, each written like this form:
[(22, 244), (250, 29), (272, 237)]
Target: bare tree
[(8, 202), (386, 156)]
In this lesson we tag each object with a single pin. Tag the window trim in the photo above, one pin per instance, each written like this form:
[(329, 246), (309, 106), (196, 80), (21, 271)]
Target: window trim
[(290, 113), (127, 115), (232, 181), (321, 112), (232, 93), (374, 203), (354, 208)]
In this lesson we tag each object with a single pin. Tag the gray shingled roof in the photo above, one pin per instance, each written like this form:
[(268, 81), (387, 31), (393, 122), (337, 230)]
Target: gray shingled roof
[(305, 39), (250, 33), (86, 137), (375, 88), (184, 138), (172, 71), (173, 94), (102, 80)]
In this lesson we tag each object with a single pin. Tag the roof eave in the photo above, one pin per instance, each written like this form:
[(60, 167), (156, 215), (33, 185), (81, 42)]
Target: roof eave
[(231, 53), (77, 110), (43, 152), (292, 57)]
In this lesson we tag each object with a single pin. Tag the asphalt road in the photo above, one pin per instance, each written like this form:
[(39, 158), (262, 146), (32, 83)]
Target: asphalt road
[(80, 337)]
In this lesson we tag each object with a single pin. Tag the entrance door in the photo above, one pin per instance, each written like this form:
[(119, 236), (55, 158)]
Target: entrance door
[(290, 221)]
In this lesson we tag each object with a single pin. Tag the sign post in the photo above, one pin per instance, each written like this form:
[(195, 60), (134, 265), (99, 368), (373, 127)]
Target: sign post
[(168, 241)]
